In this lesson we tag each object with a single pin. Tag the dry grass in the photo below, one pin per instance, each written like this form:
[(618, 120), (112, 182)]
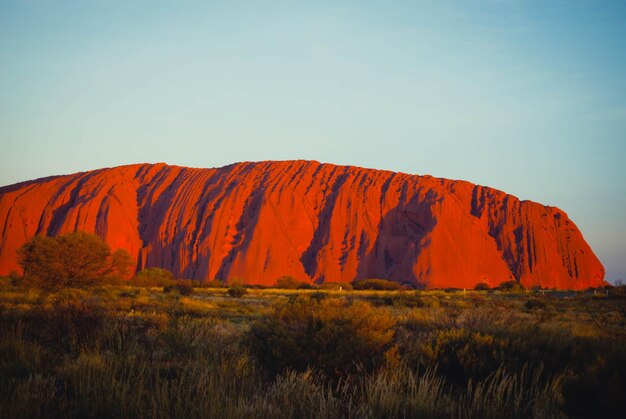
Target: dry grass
[(122, 351)]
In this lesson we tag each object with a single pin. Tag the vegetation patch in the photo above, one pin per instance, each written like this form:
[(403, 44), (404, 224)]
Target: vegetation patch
[(102, 350)]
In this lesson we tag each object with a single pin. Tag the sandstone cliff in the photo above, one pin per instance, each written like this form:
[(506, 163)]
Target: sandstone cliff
[(315, 222)]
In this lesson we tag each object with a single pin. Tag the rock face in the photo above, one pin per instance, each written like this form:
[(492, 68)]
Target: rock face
[(315, 222)]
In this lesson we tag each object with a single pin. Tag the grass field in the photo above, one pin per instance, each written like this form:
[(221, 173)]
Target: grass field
[(122, 351)]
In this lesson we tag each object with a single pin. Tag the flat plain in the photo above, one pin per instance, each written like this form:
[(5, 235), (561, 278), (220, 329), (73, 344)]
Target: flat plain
[(129, 351)]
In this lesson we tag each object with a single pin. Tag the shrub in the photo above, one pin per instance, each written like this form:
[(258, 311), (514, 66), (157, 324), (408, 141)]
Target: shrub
[(510, 286), (287, 282), (411, 300), (533, 304), (461, 355), (380, 300), (71, 323), (237, 291), (154, 277), (376, 284), (184, 287), (330, 334), (318, 295), (482, 286)]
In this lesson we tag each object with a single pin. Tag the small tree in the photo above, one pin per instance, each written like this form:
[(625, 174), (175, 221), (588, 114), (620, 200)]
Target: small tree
[(83, 256), (40, 264), (71, 259), (122, 264)]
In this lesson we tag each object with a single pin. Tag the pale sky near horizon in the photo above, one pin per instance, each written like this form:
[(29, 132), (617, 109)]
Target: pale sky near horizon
[(525, 96)]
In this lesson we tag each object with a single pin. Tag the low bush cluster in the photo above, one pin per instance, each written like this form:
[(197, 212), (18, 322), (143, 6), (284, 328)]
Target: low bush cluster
[(376, 284), (511, 286), (482, 286), (291, 283), (154, 277), (237, 291), (331, 335)]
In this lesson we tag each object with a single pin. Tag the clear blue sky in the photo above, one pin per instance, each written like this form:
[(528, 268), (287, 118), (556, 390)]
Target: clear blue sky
[(525, 96)]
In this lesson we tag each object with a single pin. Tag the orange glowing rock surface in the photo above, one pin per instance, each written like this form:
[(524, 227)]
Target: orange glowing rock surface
[(315, 222)]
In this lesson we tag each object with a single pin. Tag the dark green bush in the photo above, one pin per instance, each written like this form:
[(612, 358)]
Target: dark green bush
[(376, 284), (287, 282), (411, 300), (510, 286), (318, 295), (154, 277), (184, 287), (237, 291), (534, 304), (482, 286)]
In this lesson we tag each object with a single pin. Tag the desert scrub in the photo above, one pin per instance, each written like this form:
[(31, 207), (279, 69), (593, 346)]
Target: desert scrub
[(236, 291), (460, 354), (598, 389), (70, 323), (155, 354), (333, 335), (376, 284)]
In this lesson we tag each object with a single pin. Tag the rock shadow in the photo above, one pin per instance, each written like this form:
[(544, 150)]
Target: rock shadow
[(402, 235)]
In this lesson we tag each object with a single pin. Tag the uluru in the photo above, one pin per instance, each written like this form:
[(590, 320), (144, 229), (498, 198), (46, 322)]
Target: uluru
[(258, 221)]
